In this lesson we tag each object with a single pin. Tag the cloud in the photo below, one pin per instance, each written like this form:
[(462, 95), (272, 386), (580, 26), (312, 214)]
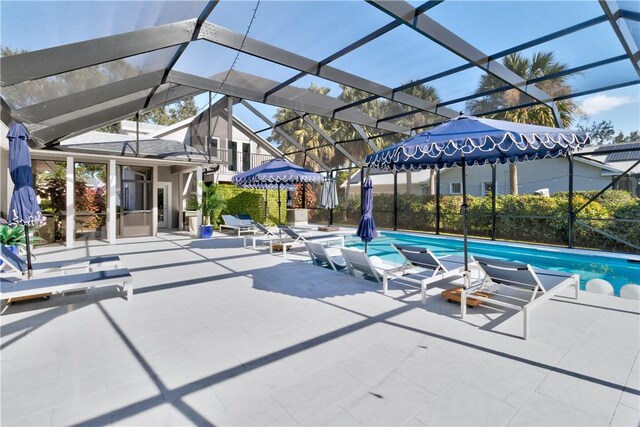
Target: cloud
[(599, 103)]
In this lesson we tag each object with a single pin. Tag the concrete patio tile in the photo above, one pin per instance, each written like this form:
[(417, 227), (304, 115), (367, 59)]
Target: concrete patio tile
[(165, 414), (610, 335), (263, 412), (480, 409), (274, 346), (631, 394), (598, 361), (104, 408), (625, 417), (434, 369), (393, 401), (510, 381), (42, 418), (335, 415), (588, 395), (316, 392), (250, 383), (373, 363), (540, 410), (201, 405), (413, 422), (318, 357)]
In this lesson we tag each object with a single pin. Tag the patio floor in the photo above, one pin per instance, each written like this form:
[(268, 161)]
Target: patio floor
[(220, 335)]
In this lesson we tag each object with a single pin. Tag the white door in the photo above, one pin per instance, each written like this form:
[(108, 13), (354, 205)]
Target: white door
[(164, 204)]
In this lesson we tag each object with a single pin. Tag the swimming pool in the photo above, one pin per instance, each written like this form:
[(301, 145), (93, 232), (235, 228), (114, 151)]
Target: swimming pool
[(616, 270)]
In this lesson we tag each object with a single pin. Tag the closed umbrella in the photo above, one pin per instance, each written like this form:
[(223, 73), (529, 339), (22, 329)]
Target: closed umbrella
[(467, 141), (367, 226), (24, 209), (329, 199), (277, 174)]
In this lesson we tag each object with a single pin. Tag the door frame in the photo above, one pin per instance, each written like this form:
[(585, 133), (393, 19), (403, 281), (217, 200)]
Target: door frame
[(167, 197)]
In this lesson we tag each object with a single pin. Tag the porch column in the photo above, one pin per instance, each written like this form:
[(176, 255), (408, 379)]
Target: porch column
[(180, 201), (154, 201), (71, 214), (5, 190), (111, 203), (199, 194)]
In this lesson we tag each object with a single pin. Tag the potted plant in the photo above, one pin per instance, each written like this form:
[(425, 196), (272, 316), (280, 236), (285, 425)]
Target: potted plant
[(211, 206), (12, 237)]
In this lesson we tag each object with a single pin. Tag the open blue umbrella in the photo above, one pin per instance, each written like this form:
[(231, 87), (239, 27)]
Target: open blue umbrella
[(367, 226), (276, 174), (24, 209), (467, 141)]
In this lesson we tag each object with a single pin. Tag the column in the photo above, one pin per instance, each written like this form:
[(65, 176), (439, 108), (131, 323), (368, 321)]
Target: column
[(111, 203), (180, 201), (71, 214), (154, 201), (199, 194)]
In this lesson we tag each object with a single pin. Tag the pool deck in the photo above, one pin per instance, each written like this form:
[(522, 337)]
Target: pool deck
[(220, 335)]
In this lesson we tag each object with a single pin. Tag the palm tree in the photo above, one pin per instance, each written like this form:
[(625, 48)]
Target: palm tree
[(539, 65)]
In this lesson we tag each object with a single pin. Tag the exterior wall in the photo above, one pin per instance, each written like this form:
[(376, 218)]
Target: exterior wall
[(549, 173), (6, 185)]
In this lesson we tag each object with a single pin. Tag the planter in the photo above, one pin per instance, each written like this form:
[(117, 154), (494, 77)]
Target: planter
[(205, 231), (13, 249)]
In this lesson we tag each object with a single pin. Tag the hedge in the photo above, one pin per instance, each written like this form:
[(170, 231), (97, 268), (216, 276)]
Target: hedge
[(252, 202), (524, 218)]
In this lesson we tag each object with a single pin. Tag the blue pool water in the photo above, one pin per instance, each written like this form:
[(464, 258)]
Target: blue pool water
[(617, 271)]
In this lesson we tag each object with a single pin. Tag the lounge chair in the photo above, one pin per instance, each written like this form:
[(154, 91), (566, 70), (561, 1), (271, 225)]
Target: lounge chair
[(422, 268), (516, 286), (359, 262), (265, 237), (17, 266), (297, 239), (325, 256), (234, 223), (18, 288), (245, 219)]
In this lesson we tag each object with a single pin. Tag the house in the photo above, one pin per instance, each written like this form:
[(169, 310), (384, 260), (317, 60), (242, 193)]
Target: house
[(150, 176), (592, 171)]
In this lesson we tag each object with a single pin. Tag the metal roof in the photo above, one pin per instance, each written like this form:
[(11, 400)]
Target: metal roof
[(107, 61)]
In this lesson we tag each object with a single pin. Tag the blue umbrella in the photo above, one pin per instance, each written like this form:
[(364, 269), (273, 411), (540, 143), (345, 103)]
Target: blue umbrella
[(367, 227), (24, 209), (467, 141), (276, 174)]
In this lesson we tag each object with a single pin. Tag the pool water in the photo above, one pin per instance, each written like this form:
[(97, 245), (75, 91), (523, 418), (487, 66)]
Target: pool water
[(617, 271)]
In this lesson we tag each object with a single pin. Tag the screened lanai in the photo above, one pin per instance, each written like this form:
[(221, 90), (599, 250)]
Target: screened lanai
[(361, 74)]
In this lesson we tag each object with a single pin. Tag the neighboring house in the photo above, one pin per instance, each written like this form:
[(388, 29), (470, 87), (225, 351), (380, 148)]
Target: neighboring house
[(592, 172)]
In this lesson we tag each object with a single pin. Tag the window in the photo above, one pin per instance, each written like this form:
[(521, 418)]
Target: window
[(246, 156), (233, 156), (455, 188), (213, 146), (487, 188)]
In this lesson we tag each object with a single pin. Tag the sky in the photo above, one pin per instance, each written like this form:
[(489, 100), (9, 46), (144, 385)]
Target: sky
[(317, 29)]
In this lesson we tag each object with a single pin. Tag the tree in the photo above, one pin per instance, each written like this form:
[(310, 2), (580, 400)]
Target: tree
[(171, 114), (540, 64), (601, 133)]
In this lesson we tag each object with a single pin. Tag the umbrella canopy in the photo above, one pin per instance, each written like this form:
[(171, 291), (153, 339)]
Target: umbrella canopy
[(467, 141), (23, 209), (478, 141), (276, 174), (367, 226)]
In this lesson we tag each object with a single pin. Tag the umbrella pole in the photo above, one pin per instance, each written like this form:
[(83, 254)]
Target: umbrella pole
[(464, 224), (26, 239), (279, 210), (365, 247)]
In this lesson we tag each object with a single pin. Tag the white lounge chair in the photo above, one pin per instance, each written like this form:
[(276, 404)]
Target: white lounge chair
[(265, 237), (516, 286), (422, 268), (359, 262), (17, 288), (234, 223), (296, 239), (329, 256), (17, 266)]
